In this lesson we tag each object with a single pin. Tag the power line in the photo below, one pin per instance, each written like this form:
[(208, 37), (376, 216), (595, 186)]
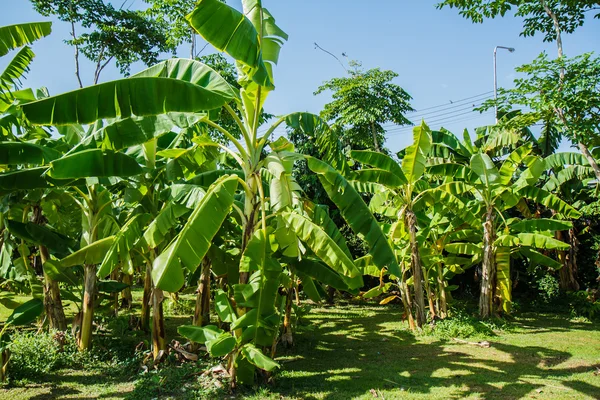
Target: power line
[(452, 102), (478, 101), (449, 120)]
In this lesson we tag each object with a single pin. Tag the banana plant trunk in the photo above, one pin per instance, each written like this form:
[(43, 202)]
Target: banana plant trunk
[(202, 310), (405, 296), (430, 295), (126, 296), (146, 299), (415, 264), (52, 301), (568, 259), (115, 276), (443, 308), (159, 336), (487, 266), (287, 338), (87, 320), (251, 209)]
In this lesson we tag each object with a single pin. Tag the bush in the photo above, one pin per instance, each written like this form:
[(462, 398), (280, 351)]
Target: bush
[(176, 381), (461, 325), (549, 288), (584, 303), (34, 353)]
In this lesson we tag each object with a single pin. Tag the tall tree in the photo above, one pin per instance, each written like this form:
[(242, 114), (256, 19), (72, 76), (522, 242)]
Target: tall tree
[(125, 36), (363, 102)]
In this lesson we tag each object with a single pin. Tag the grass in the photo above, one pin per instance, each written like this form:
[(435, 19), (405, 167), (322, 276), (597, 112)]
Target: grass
[(352, 351)]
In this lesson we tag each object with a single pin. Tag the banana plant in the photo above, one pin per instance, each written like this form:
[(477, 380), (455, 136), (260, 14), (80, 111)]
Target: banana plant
[(496, 190)]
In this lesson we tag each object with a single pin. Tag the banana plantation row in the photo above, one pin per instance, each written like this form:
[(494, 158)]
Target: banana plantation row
[(140, 178)]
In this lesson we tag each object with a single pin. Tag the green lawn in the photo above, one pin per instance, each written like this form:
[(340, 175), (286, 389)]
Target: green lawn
[(351, 351)]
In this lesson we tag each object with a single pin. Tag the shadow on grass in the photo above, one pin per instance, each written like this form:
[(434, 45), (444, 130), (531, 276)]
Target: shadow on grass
[(348, 354)]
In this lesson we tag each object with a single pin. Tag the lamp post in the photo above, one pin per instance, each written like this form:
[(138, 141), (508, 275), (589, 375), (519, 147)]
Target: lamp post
[(511, 49)]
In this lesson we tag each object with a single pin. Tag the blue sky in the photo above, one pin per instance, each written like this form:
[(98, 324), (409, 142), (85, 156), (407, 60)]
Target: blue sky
[(439, 56)]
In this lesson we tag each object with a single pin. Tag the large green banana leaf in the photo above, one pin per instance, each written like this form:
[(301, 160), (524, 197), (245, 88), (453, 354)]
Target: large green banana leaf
[(119, 251), (261, 323), (56, 242), (15, 69), (14, 36), (321, 273), (321, 244), (549, 200), (541, 224), (357, 214), (32, 178), (379, 161), (17, 153), (564, 159), (132, 131), (122, 99), (230, 31), (503, 282), (191, 71), (94, 163), (191, 244), (91, 254), (514, 160), (379, 176), (484, 167), (414, 161), (162, 224), (537, 258)]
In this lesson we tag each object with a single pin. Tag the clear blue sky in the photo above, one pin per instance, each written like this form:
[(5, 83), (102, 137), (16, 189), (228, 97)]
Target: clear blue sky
[(439, 56)]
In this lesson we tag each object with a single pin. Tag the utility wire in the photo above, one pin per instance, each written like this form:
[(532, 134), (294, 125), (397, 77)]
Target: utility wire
[(457, 101)]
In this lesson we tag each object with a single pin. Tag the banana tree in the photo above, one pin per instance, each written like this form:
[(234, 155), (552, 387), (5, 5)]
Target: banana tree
[(496, 190), (567, 175)]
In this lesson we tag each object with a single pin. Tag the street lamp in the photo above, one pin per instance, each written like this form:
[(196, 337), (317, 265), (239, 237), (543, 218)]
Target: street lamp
[(511, 49)]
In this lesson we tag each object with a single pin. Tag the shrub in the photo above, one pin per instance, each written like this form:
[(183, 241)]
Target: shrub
[(34, 353), (462, 325), (549, 288), (584, 303)]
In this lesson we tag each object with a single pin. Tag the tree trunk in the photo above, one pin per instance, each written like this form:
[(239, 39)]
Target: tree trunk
[(557, 29), (487, 266), (89, 294), (4, 358), (115, 296), (159, 336), (375, 140), (405, 295), (202, 311), (145, 319), (287, 337), (589, 157), (126, 296), (430, 295), (415, 264), (443, 308), (52, 301), (568, 272)]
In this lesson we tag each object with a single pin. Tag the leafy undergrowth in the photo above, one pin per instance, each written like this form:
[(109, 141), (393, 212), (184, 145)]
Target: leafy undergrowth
[(354, 352)]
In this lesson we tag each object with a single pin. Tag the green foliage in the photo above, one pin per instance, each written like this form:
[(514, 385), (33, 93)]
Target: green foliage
[(462, 325), (36, 353), (584, 304), (577, 96), (363, 102), (570, 14), (175, 381), (548, 288), (127, 36)]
